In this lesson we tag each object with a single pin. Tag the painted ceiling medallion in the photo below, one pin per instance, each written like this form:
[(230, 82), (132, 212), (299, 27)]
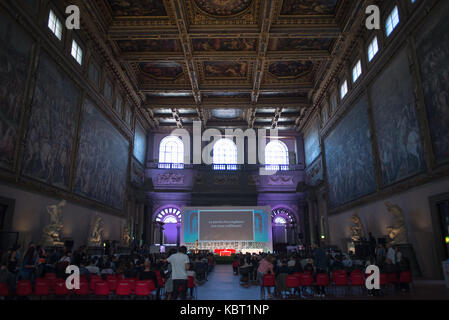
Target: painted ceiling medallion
[(223, 8)]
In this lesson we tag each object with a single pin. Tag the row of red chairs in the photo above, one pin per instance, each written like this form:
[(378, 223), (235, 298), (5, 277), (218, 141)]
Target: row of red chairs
[(339, 278), (43, 288), (97, 286)]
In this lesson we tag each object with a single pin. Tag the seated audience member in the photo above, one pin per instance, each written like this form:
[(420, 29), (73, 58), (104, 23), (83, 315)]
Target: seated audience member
[(131, 271), (107, 270), (148, 274), (92, 267), (83, 270), (245, 269), (7, 277), (281, 275)]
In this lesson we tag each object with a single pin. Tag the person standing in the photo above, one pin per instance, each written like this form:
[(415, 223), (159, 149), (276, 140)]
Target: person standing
[(265, 267), (320, 263), (180, 263), (391, 253)]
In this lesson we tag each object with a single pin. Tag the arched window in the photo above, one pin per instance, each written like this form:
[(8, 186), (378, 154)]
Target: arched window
[(276, 156), (169, 215), (171, 153), (282, 216), (225, 155), (280, 220)]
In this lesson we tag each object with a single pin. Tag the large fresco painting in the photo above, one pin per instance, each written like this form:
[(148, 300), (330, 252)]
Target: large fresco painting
[(217, 44), (102, 163), (164, 45), (308, 7), (225, 69), (396, 125), (52, 128), (312, 143), (223, 8), (288, 44), (290, 69), (138, 8), (349, 158), (162, 69), (433, 51), (15, 55), (140, 144)]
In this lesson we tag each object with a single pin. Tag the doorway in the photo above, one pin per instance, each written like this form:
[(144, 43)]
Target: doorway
[(439, 206)]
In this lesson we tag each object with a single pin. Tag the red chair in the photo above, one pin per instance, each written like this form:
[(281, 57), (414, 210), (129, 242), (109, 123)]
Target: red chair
[(393, 280), (93, 281), (4, 291), (191, 286), (83, 290), (142, 289), (268, 281), (112, 283), (383, 279), (123, 288), (322, 280), (84, 278), (357, 281), (132, 283), (101, 289), (60, 288), (341, 280), (298, 274), (24, 288), (111, 277), (305, 282), (405, 277), (292, 282), (51, 278), (41, 288)]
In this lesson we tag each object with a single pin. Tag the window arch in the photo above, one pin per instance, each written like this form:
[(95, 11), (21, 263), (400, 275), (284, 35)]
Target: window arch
[(171, 153), (225, 155), (169, 215), (282, 216), (276, 156)]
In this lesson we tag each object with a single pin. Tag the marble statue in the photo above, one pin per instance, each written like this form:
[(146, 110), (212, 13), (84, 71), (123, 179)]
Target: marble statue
[(52, 233), (96, 232), (126, 238), (357, 228), (397, 233)]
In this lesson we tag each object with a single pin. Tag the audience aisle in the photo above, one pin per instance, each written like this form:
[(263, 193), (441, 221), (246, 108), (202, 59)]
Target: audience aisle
[(222, 285)]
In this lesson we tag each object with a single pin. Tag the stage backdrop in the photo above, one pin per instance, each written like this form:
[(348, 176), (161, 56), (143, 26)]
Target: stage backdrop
[(233, 227)]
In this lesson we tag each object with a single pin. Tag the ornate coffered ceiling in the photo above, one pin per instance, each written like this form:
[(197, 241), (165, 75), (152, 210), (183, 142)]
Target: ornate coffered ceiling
[(195, 59)]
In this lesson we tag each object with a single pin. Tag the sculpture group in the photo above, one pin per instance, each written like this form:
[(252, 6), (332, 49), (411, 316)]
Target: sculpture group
[(396, 233)]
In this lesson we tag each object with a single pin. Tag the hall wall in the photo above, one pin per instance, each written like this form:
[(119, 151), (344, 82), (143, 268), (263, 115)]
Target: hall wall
[(405, 130), (30, 217), (67, 131)]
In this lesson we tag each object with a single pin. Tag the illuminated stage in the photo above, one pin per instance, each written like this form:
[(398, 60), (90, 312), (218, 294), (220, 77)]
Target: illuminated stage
[(226, 230)]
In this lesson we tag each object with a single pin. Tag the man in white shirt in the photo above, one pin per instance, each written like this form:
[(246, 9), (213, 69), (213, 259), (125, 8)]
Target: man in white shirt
[(180, 263)]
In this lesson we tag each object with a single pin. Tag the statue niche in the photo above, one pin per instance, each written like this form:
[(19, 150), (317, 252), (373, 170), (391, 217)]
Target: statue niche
[(51, 235)]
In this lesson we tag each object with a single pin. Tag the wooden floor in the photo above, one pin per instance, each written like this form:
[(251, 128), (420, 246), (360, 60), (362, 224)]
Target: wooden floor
[(223, 285)]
